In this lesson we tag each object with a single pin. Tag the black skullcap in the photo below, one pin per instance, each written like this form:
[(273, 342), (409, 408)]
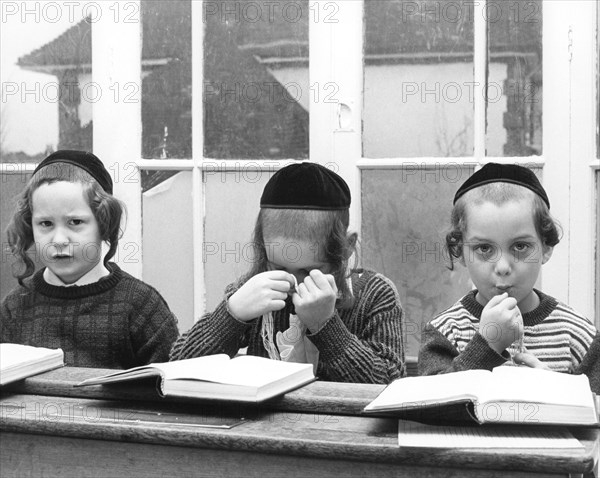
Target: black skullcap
[(306, 186), (504, 173), (84, 160)]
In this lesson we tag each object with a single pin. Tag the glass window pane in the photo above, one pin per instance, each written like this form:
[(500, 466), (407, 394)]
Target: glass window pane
[(255, 88), (515, 87), (45, 72), (166, 79), (418, 97), (405, 214), (167, 244), (232, 205)]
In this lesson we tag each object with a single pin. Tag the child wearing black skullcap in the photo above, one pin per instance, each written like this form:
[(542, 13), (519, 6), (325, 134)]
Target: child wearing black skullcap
[(302, 301), (502, 232), (99, 315)]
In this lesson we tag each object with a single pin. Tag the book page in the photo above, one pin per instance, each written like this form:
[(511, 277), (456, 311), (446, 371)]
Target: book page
[(413, 434), (525, 384), (413, 392), (254, 371), (194, 368), (198, 368), (16, 354)]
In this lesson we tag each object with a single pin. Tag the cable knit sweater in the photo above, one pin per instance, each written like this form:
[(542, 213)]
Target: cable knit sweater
[(117, 322), (360, 344), (553, 332)]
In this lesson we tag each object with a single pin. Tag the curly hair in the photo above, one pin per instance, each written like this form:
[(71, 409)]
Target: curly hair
[(327, 230), (547, 228), (107, 210)]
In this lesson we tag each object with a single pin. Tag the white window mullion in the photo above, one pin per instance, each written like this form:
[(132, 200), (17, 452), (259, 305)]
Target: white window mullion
[(568, 144), (480, 62), (336, 46), (198, 190), (583, 208), (116, 67), (442, 162)]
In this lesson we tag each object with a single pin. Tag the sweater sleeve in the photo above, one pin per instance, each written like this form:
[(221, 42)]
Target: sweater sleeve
[(438, 355), (590, 365), (374, 353), (153, 329), (215, 333), (5, 321)]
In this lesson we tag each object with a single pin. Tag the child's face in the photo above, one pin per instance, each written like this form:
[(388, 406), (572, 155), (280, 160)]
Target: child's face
[(503, 252), (295, 257), (65, 230)]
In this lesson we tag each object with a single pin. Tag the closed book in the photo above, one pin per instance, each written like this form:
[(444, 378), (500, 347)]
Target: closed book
[(507, 394), (19, 361), (244, 378)]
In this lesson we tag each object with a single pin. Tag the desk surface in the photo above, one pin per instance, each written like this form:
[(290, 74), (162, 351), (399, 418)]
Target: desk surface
[(115, 421)]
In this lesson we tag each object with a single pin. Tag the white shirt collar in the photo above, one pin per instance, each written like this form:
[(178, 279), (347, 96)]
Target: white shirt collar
[(93, 275)]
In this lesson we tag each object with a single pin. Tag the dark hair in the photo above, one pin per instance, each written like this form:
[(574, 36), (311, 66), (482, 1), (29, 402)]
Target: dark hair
[(547, 228), (107, 210), (328, 230)]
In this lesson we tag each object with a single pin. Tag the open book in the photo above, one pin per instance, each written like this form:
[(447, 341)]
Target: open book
[(20, 361), (244, 378), (506, 395)]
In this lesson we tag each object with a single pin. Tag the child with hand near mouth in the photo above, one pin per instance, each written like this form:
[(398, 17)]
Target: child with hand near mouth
[(301, 301), (503, 233)]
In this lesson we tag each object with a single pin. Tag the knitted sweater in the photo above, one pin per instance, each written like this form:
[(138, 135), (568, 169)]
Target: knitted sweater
[(360, 344), (117, 322), (553, 332), (591, 365)]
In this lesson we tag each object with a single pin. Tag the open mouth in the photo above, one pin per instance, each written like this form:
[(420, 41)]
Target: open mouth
[(61, 257)]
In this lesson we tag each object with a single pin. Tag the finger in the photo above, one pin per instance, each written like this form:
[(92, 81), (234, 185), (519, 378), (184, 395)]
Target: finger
[(332, 283), (497, 299), (280, 275), (310, 285), (510, 303), (276, 295), (529, 360), (277, 304), (279, 285), (320, 279), (301, 290)]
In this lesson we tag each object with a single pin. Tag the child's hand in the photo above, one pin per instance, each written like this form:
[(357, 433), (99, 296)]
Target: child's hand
[(265, 292), (530, 360), (315, 300), (501, 322)]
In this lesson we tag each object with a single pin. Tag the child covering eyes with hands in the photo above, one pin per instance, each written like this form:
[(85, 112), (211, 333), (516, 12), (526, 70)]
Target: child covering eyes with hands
[(503, 233), (301, 301)]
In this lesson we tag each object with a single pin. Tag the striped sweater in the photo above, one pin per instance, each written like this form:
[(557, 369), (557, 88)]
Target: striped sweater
[(360, 344), (553, 332)]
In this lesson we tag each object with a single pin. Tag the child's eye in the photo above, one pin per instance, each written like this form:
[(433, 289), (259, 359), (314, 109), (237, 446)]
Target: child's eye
[(521, 247), (45, 223), (76, 222), (484, 249)]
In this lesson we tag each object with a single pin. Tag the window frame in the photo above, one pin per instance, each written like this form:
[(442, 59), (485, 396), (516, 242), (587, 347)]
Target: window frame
[(569, 136), (339, 59)]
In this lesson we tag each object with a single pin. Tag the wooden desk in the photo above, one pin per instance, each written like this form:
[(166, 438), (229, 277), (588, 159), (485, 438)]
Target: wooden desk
[(61, 434)]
